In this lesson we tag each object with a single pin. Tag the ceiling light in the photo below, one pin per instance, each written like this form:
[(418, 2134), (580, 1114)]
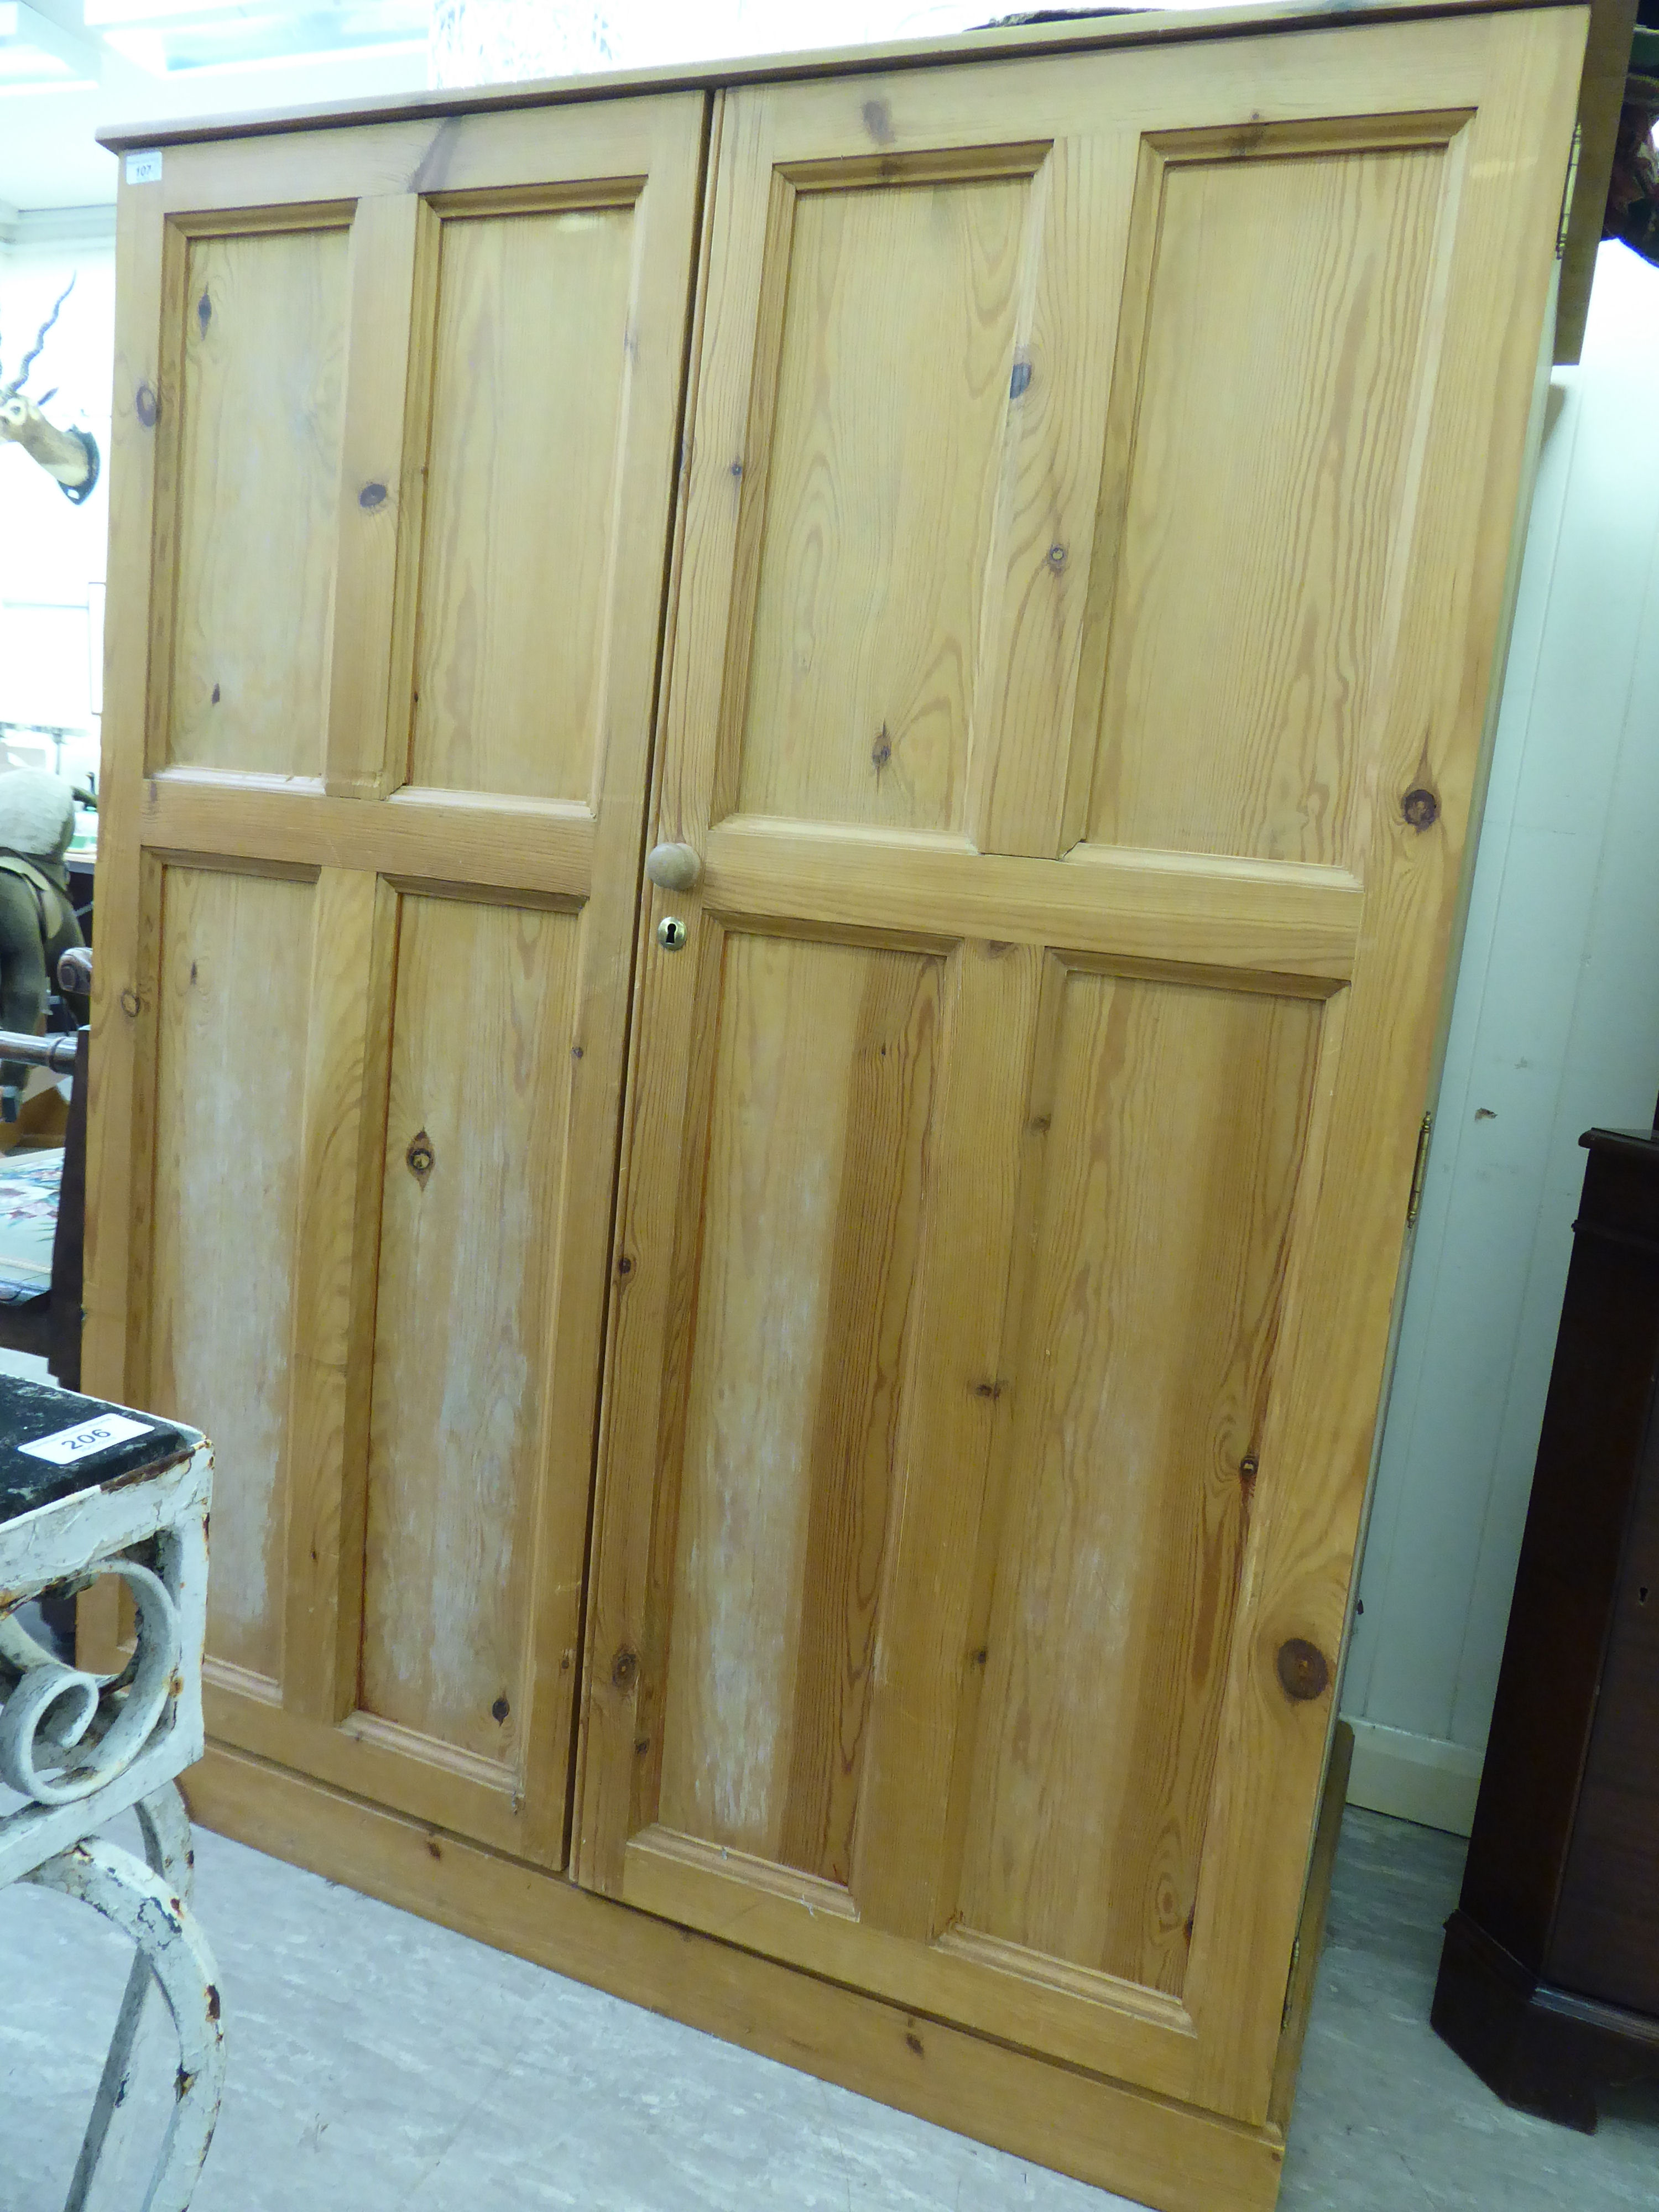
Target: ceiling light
[(167, 37), (36, 55)]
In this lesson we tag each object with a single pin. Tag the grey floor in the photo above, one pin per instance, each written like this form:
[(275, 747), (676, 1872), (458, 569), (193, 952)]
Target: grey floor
[(376, 2062)]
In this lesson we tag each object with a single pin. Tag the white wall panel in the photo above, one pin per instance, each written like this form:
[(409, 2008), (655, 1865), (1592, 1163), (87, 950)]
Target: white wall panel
[(1555, 1027)]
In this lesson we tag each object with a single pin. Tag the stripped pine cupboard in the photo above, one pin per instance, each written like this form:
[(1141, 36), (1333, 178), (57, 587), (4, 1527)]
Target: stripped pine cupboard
[(812, 1384), (412, 477)]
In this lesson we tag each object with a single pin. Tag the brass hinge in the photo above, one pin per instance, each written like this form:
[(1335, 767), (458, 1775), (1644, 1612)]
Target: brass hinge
[(1419, 1168), (1567, 191)]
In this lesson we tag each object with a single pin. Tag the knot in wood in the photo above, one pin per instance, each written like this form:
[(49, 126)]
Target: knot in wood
[(371, 496), (420, 1158), (1304, 1673), (1420, 807), (624, 1667)]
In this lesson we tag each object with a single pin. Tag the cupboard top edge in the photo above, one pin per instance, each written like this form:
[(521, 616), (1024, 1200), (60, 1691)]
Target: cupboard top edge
[(1130, 27)]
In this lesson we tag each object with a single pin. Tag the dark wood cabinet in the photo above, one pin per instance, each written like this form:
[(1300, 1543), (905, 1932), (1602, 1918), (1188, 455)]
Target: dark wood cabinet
[(1549, 1979)]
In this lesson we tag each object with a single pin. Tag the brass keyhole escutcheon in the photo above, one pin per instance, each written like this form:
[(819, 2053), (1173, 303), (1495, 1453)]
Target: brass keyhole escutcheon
[(420, 1157), (671, 932)]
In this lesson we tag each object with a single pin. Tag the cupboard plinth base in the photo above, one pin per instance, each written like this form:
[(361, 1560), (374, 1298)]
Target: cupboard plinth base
[(1540, 2049), (1170, 2156)]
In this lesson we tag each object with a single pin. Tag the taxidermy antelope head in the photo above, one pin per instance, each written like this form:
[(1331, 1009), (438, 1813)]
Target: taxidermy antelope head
[(70, 457)]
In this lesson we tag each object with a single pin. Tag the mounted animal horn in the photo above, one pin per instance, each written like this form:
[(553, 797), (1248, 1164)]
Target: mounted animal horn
[(70, 457)]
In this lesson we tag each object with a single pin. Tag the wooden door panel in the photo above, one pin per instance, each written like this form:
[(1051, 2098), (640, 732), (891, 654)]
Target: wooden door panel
[(228, 1118), (528, 404), (819, 1126), (1170, 1126), (1131, 698), (880, 491), (473, 1187), (1268, 388), (262, 320), (459, 349)]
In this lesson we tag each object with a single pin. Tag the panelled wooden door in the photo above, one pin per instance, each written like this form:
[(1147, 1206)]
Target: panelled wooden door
[(1075, 699), (393, 484)]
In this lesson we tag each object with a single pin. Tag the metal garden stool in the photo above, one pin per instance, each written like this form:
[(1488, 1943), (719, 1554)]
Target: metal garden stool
[(88, 1490)]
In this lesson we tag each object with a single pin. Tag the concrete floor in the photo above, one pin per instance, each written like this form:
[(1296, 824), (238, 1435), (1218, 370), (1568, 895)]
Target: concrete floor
[(378, 2062)]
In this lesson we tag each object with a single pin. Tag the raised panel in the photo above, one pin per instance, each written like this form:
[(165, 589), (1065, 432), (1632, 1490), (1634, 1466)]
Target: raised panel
[(258, 471), (1172, 1122), (825, 1071), (530, 384), (474, 1175), (899, 308), (1241, 637), (234, 982)]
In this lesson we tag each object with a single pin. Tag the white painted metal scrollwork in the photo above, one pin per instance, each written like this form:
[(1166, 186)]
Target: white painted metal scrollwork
[(79, 1748), (55, 1713)]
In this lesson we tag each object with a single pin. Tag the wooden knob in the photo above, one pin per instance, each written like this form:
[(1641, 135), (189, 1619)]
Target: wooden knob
[(672, 867)]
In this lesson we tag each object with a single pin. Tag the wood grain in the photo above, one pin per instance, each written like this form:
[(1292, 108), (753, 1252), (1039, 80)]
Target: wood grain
[(344, 1110), (529, 398), (861, 1423), (997, 1990), (446, 838), (361, 758), (880, 487), (931, 1670), (821, 1082), (1037, 581), (1289, 928), (464, 1311), (1258, 459), (263, 413), (1172, 1123), (230, 1093)]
